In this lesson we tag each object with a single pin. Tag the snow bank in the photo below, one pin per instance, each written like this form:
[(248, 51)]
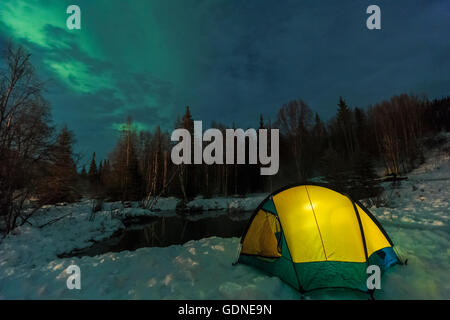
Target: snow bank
[(228, 203), (197, 270), (204, 207), (32, 245)]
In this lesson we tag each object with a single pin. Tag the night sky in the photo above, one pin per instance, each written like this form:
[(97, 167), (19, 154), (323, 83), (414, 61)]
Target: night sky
[(229, 60)]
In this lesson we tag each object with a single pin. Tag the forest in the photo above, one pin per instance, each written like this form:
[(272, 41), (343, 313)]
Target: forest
[(38, 164)]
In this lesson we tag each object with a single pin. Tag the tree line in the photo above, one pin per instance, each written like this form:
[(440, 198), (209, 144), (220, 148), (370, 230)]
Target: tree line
[(38, 165), (342, 152)]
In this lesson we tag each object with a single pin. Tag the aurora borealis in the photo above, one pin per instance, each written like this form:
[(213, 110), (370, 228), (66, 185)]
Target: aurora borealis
[(229, 60)]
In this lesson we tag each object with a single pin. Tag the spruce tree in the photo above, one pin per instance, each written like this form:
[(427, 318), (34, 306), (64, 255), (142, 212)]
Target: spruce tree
[(83, 173), (361, 130), (60, 183), (345, 122), (93, 173), (187, 121), (187, 173)]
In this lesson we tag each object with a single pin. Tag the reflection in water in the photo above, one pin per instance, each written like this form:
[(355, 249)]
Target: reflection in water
[(163, 232)]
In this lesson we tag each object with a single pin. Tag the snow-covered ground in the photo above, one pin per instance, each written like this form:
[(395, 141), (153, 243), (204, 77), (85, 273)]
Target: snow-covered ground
[(416, 218)]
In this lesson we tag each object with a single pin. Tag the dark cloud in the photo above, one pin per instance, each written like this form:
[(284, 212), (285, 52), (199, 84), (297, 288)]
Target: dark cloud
[(266, 54)]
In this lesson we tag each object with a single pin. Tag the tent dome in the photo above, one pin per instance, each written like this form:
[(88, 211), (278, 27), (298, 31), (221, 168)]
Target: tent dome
[(313, 237)]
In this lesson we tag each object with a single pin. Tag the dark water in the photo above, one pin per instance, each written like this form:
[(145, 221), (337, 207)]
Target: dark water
[(163, 232)]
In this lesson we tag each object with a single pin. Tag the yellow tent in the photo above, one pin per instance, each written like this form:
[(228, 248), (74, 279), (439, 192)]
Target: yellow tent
[(313, 237)]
